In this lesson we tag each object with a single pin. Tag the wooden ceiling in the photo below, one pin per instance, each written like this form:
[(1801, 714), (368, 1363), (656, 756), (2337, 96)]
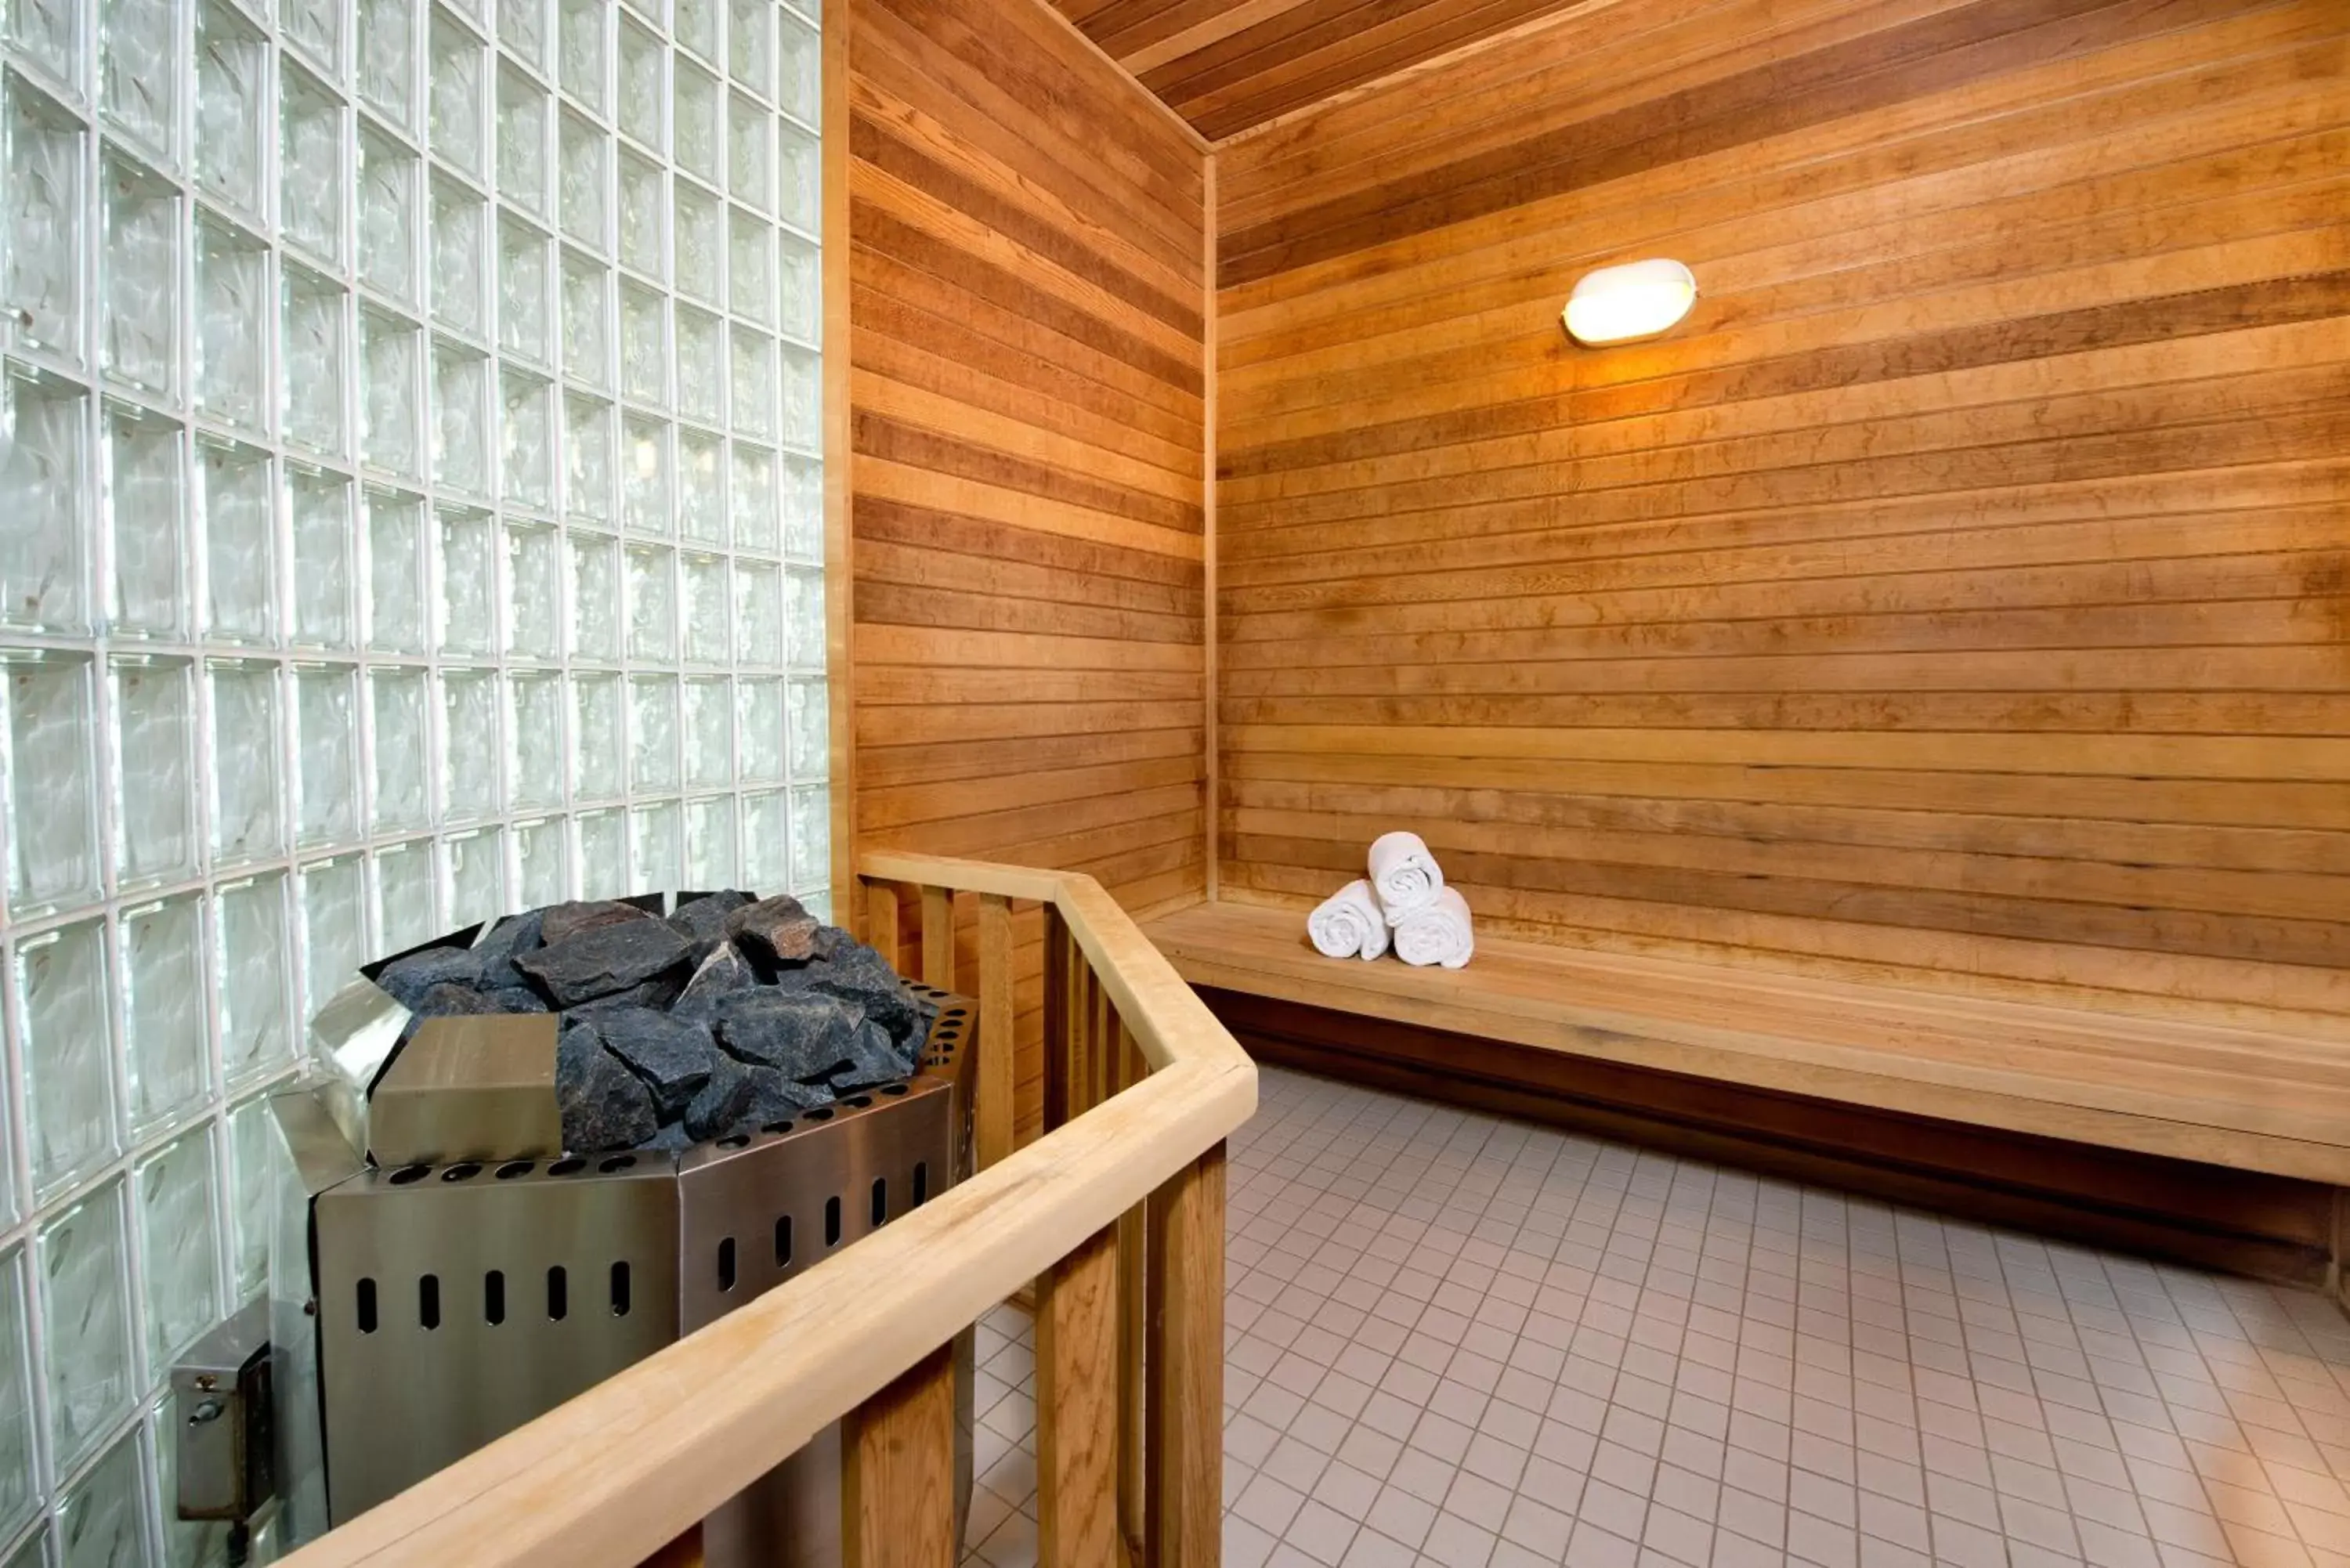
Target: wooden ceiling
[(1227, 64)]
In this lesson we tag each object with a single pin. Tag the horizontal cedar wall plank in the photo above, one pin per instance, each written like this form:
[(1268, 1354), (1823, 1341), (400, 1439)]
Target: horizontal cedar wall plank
[(1965, 586)]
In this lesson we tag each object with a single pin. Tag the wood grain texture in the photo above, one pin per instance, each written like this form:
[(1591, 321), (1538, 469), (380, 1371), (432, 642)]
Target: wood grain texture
[(1227, 64), (1028, 300), (898, 1464), (1077, 1391), (1958, 598), (1183, 1368)]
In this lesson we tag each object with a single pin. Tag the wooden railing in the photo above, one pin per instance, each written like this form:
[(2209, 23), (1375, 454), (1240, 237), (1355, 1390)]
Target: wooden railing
[(1116, 1214)]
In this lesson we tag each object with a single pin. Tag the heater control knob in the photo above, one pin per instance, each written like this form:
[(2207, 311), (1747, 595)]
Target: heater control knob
[(209, 1411)]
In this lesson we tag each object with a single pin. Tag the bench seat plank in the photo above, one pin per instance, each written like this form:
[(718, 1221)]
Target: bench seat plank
[(2258, 1100)]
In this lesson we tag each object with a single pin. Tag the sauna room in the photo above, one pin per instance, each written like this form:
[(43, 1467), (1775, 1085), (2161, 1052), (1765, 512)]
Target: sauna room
[(1159, 784)]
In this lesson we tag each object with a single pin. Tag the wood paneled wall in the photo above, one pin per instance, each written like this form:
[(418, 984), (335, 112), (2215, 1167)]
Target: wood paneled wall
[(1027, 319), (1961, 595)]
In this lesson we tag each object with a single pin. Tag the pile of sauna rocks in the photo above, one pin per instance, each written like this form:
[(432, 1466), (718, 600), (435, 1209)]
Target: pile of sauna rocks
[(732, 1014)]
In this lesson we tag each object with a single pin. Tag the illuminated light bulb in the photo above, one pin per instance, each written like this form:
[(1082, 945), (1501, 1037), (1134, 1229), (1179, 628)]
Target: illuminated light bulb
[(1638, 300)]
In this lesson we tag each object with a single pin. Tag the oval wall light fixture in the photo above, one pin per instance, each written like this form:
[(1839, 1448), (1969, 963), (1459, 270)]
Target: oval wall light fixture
[(1638, 300)]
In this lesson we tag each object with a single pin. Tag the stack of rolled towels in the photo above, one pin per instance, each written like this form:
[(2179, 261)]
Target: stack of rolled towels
[(1403, 903)]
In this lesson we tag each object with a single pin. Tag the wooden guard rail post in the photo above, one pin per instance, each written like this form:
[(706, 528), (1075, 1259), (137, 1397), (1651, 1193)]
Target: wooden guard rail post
[(1116, 1212)]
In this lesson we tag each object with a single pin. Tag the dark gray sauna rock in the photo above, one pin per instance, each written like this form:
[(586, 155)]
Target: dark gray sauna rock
[(801, 1036), (406, 980), (604, 958), (777, 928), (604, 1106), (671, 1056)]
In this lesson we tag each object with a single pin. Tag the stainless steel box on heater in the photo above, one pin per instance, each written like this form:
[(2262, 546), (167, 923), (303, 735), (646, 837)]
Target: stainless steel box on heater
[(453, 1302)]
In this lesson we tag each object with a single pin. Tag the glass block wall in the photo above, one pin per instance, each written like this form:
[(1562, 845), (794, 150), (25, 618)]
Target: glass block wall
[(409, 510)]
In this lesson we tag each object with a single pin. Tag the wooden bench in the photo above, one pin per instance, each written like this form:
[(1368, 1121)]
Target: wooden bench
[(2270, 1103)]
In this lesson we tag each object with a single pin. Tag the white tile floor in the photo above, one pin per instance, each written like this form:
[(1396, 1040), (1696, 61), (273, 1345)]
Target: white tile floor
[(1457, 1341)]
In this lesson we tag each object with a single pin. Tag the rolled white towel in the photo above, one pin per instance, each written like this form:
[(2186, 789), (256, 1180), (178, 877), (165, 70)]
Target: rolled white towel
[(1349, 924), (1438, 933), (1404, 873)]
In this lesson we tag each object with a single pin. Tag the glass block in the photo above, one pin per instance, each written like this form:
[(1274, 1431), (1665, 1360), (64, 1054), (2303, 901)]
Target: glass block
[(588, 459), (806, 616), (644, 479), (581, 43), (801, 280), (179, 1220), (469, 743), (231, 98), (237, 508), (49, 33), (311, 163), (653, 604), (17, 1468), (461, 390), (652, 732), (459, 233), (658, 851), (710, 843), (400, 722), (397, 617), (388, 60), (758, 614), (699, 226), (45, 481), (334, 927), (753, 364), (526, 435), (521, 29), (643, 65), (316, 361), (233, 311), (587, 326), (542, 862), (404, 897), (525, 292), (326, 750), (603, 855), (802, 509), (52, 789), (68, 1047), (644, 345), (594, 597), (800, 377), (391, 180), (535, 765), (534, 592), (811, 839), (585, 173), (757, 510), (315, 27), (163, 1018), (750, 280), (709, 723), (596, 754), (249, 966), (457, 126), (750, 45), (799, 182), (644, 193), (154, 711), (759, 713), (699, 107), (473, 866), (701, 487), (253, 1152), (750, 153), (808, 724), (41, 212), (697, 27), (319, 505), (138, 303), (98, 1518), (247, 821), (800, 65), (767, 843), (468, 582), (85, 1308), (522, 141), (700, 366), (392, 394), (707, 581)]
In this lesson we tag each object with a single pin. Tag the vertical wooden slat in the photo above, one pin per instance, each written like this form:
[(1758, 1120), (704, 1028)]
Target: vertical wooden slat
[(1133, 1231), (1077, 1408), (897, 1482), (839, 570), (1211, 746), (998, 1016), (881, 919), (938, 937), (1184, 1366), (1060, 1020), (685, 1552)]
